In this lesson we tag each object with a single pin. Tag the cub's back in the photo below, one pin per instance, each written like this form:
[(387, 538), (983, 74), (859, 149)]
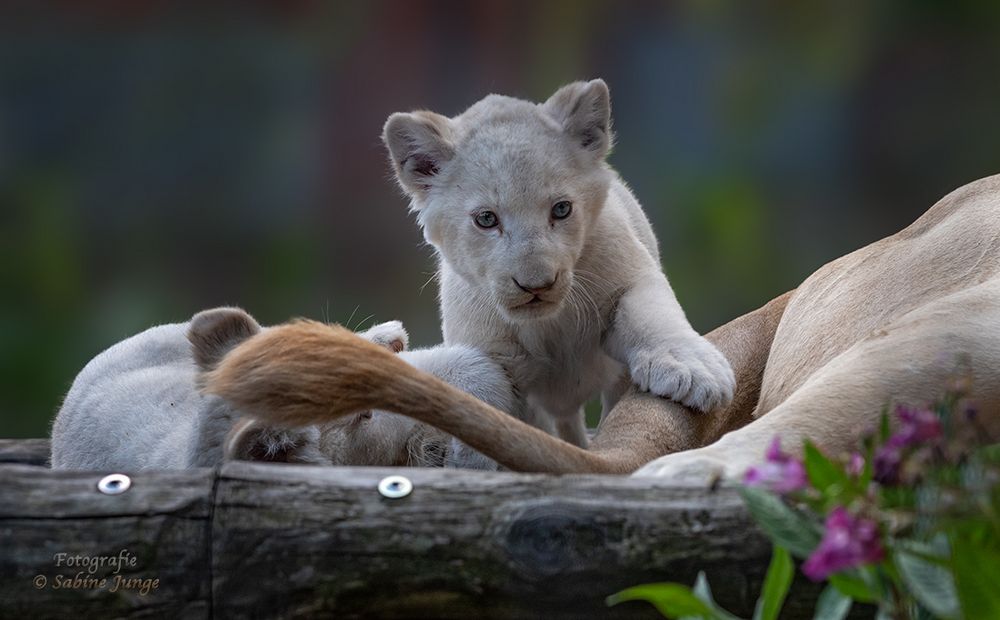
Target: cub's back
[(134, 402)]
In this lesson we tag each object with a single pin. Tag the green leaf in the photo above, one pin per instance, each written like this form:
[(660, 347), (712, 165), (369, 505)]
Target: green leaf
[(921, 613), (672, 600), (786, 527), (929, 583), (827, 477), (936, 551), (832, 605), (701, 589), (854, 587), (704, 593), (776, 584), (976, 566), (868, 471), (883, 426)]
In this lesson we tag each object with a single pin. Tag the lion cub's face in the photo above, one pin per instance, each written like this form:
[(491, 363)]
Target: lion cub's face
[(508, 191)]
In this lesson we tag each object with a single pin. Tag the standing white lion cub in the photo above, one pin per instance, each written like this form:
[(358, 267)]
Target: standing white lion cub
[(547, 261)]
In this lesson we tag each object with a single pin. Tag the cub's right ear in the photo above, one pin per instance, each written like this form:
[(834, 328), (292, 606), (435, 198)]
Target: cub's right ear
[(419, 146), (213, 333)]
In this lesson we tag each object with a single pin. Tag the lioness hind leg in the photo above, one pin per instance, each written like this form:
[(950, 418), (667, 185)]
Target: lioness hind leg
[(909, 361)]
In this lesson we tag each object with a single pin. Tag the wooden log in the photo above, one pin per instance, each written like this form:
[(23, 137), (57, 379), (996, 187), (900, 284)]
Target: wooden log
[(162, 522), (323, 541), (274, 540), (25, 451)]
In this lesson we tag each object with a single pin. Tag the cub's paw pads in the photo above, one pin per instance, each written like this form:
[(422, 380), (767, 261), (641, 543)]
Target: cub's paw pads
[(391, 335), (695, 374), (660, 373)]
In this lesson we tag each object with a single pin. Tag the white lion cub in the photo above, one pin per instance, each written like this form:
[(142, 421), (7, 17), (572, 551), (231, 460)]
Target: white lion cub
[(137, 406), (547, 261)]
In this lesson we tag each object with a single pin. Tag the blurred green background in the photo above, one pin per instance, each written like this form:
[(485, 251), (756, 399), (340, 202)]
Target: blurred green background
[(157, 158)]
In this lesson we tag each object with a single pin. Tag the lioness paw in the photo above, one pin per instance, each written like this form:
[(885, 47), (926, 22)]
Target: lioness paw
[(694, 374), (695, 467), (391, 335)]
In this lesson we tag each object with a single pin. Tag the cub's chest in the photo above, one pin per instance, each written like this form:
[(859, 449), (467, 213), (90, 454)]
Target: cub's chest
[(561, 341), (560, 357)]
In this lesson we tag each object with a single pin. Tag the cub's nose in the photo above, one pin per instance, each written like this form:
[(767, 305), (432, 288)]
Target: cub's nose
[(536, 289)]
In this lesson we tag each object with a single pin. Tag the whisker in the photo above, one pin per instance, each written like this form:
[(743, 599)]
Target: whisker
[(434, 276), (348, 321), (358, 326)]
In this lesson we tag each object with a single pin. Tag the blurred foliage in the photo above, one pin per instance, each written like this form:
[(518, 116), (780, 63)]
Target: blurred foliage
[(159, 158)]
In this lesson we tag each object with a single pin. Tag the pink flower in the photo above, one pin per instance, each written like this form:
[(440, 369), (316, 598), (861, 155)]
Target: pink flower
[(917, 425), (848, 542), (780, 473), (856, 464), (887, 460)]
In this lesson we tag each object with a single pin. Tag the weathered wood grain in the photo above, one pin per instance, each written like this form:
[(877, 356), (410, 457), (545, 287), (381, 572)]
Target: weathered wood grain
[(273, 540), (162, 520), (323, 542), (25, 451)]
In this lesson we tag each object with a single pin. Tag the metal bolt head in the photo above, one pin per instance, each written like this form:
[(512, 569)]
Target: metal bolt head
[(114, 484), (395, 487)]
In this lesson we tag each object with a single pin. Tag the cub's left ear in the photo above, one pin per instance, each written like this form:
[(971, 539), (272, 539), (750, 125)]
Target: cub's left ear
[(584, 110), (213, 333)]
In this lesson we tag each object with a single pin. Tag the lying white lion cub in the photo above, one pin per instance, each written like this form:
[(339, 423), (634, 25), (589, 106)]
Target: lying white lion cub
[(137, 406), (547, 262)]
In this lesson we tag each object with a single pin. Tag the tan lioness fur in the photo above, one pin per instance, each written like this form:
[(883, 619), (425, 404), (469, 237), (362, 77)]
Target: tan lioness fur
[(892, 321)]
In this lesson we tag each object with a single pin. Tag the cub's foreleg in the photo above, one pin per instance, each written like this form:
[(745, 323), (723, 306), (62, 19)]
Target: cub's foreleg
[(664, 355)]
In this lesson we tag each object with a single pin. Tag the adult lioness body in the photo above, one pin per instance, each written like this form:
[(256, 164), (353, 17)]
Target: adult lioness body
[(888, 321), (547, 261), (892, 321)]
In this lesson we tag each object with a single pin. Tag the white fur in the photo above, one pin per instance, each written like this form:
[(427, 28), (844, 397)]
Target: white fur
[(610, 308), (136, 406)]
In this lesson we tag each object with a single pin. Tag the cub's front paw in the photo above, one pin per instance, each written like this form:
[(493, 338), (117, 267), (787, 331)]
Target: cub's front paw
[(693, 372), (391, 335)]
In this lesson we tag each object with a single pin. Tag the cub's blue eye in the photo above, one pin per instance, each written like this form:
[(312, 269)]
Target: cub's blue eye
[(486, 219), (562, 209)]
